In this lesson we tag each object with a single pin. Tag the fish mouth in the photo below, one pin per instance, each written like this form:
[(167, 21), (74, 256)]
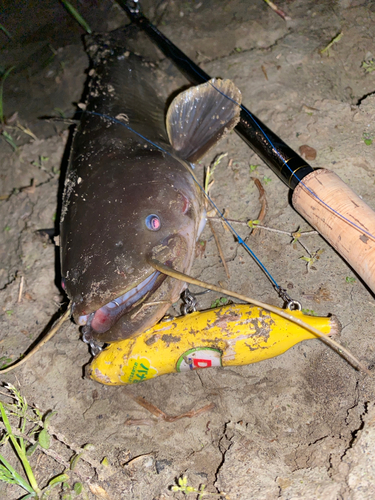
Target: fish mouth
[(102, 320), (144, 304)]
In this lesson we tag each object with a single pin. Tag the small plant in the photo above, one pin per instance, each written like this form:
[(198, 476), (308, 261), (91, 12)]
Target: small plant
[(368, 66), (334, 40), (28, 429), (4, 362), (222, 301), (182, 485), (21, 437), (253, 223), (210, 172), (367, 139), (296, 236), (350, 280), (266, 180), (309, 312), (314, 257)]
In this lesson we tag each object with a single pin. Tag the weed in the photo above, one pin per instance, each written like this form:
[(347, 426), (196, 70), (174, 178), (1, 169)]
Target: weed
[(27, 429), (253, 223), (266, 180), (5, 76), (182, 485), (77, 16), (368, 66), (310, 261), (309, 312), (222, 301), (24, 444), (334, 40), (367, 139), (210, 172), (4, 361), (9, 140)]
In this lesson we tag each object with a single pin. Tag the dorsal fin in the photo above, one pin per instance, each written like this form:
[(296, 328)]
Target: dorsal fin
[(201, 115)]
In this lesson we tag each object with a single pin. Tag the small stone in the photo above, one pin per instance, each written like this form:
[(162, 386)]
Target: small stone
[(307, 152)]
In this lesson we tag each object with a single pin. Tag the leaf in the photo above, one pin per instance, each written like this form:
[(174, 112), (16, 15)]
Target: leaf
[(74, 460), (48, 417), (307, 259), (77, 488), (266, 179), (10, 140), (253, 223), (44, 439), (4, 361), (31, 449), (58, 479)]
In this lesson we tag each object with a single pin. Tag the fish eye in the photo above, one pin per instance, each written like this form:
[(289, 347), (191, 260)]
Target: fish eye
[(153, 222)]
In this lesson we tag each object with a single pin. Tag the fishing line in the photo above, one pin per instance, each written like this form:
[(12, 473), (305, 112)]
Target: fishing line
[(252, 117), (280, 290), (280, 312)]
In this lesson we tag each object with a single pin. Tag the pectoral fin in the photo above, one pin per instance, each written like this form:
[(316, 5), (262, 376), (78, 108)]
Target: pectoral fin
[(201, 115)]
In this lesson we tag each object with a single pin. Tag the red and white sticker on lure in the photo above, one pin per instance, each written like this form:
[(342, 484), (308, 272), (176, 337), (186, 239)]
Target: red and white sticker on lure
[(198, 358)]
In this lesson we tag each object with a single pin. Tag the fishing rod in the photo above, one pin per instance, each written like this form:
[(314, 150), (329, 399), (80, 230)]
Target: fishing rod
[(320, 196)]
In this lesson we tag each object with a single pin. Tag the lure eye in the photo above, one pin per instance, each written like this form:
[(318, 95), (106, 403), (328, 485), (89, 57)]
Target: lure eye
[(153, 222)]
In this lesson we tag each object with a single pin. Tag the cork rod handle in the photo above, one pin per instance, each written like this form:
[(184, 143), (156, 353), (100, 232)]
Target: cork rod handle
[(320, 198)]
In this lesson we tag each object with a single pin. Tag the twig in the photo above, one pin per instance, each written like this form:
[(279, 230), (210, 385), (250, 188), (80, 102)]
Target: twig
[(263, 201), (20, 291), (168, 418), (278, 11), (219, 249), (55, 328), (296, 235), (207, 186), (280, 312)]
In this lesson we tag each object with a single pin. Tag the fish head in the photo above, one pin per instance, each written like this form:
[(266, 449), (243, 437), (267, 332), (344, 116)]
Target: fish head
[(132, 209)]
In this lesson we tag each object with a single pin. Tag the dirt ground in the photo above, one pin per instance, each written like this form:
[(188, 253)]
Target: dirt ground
[(298, 426)]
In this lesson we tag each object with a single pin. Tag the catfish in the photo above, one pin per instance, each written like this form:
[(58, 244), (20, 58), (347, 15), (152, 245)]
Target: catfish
[(130, 192)]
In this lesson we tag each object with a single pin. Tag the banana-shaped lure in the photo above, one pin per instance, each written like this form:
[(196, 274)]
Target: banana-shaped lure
[(226, 336)]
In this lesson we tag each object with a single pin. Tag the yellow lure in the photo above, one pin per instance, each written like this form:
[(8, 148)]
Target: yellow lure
[(226, 336)]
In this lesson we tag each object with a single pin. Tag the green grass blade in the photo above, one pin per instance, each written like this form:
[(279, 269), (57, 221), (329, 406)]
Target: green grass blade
[(20, 453), (77, 16), (4, 30), (9, 140), (17, 478), (6, 74)]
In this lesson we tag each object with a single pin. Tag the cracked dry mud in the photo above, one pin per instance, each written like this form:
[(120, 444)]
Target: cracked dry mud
[(298, 426)]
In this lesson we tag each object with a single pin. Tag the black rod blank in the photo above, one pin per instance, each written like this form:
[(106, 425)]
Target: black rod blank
[(282, 160)]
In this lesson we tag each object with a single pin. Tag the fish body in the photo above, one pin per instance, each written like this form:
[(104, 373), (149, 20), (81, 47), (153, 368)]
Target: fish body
[(130, 196)]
